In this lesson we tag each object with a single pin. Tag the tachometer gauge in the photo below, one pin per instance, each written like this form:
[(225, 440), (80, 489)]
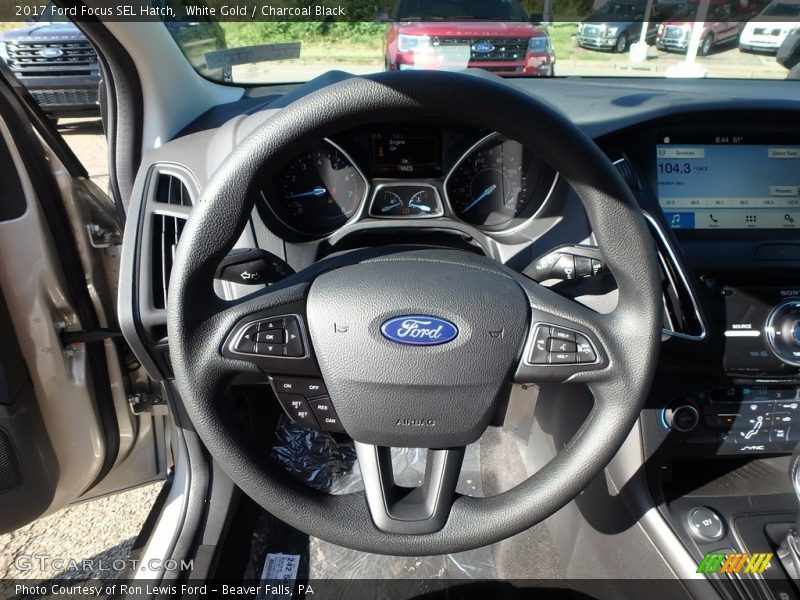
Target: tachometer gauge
[(318, 191), (493, 184)]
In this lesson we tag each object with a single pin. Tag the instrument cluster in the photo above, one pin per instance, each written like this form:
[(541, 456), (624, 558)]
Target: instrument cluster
[(409, 172)]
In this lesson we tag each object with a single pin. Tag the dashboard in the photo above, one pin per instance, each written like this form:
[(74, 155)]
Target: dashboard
[(407, 171), (714, 166)]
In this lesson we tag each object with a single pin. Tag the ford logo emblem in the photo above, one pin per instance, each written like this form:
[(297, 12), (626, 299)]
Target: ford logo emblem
[(51, 52), (483, 47), (419, 330)]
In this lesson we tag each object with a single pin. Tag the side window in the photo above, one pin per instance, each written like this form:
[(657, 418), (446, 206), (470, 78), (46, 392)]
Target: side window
[(60, 68)]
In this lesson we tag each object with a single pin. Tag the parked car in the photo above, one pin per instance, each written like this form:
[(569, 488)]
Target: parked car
[(497, 37), (57, 64), (616, 25), (723, 24), (768, 30)]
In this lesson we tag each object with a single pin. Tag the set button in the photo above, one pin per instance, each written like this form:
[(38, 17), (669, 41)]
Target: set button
[(306, 402)]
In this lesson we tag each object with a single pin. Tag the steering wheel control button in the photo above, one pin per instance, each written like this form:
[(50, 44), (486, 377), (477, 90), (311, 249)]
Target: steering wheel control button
[(273, 323), (539, 350), (562, 358), (562, 334), (554, 345), (294, 339), (298, 410), (271, 336), (326, 414), (557, 345), (308, 388), (270, 349), (705, 525), (585, 352)]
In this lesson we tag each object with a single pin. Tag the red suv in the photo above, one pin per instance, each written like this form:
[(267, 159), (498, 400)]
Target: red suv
[(494, 35)]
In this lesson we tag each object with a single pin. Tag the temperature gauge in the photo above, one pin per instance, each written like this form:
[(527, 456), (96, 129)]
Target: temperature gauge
[(409, 201)]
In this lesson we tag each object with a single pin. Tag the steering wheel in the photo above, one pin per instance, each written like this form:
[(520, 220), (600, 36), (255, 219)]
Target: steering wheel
[(474, 327)]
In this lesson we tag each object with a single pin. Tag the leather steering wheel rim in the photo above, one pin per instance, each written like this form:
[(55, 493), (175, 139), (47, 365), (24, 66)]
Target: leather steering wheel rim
[(199, 321)]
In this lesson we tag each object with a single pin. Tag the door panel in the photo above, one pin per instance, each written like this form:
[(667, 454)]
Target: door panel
[(66, 431)]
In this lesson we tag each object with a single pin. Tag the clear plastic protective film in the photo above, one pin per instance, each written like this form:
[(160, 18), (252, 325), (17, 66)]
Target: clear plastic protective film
[(328, 465)]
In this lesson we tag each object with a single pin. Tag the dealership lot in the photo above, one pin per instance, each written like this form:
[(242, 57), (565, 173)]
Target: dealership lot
[(724, 62)]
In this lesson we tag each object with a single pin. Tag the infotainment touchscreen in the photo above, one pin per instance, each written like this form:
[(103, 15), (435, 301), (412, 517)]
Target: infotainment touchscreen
[(713, 181)]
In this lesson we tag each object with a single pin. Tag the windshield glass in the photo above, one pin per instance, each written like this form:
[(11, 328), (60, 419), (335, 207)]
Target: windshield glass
[(783, 9), (297, 40)]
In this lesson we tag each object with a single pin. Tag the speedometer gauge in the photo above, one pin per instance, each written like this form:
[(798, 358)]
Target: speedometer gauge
[(318, 191), (493, 184)]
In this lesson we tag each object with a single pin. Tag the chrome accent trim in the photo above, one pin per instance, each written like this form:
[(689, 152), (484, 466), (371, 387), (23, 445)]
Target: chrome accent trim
[(672, 256), (505, 231), (732, 333), (769, 332), (356, 216)]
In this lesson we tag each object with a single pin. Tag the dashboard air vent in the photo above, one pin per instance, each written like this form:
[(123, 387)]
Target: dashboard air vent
[(167, 226), (171, 190), (682, 317)]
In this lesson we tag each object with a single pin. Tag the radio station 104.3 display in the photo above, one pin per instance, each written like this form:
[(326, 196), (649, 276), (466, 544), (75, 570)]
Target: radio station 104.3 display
[(713, 181)]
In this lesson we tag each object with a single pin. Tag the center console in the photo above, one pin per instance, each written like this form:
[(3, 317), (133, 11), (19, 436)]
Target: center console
[(723, 199)]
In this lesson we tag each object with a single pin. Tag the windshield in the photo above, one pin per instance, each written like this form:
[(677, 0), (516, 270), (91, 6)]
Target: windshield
[(783, 9), (487, 10), (296, 40), (620, 9)]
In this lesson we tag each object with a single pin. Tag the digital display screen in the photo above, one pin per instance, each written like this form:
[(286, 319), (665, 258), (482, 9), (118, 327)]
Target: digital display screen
[(713, 181), (395, 154)]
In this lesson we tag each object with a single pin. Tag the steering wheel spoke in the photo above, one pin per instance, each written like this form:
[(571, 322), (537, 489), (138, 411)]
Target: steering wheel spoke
[(414, 344), (403, 510), (566, 340)]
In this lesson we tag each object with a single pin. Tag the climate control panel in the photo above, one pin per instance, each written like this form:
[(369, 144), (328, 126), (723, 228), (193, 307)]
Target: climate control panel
[(735, 420)]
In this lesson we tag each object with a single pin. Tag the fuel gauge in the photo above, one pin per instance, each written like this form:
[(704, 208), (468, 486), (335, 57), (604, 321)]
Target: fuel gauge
[(408, 201)]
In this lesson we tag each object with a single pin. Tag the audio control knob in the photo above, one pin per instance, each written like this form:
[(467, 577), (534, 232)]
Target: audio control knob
[(783, 332), (681, 416)]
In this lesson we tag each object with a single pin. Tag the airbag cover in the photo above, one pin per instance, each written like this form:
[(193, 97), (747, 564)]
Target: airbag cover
[(404, 386)]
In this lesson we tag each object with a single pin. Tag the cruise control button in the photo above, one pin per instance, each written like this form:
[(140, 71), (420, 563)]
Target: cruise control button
[(297, 410), (562, 358), (538, 354), (557, 345), (562, 334), (326, 414), (586, 353)]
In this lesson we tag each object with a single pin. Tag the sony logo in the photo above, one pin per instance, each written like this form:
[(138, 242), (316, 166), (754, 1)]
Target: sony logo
[(416, 423), (785, 293)]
